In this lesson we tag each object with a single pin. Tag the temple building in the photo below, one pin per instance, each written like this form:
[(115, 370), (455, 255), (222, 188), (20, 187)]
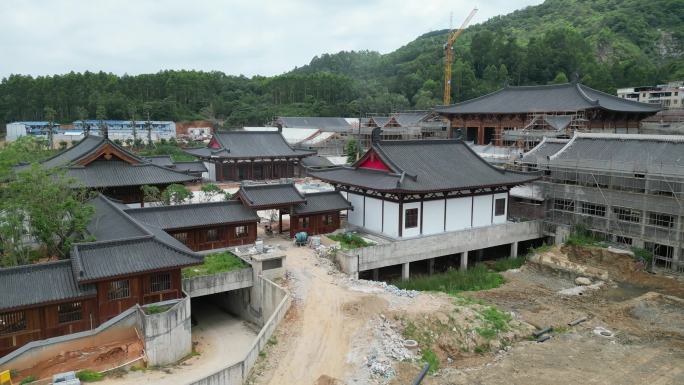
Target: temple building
[(130, 263), (99, 164), (403, 189), (522, 116), (249, 155)]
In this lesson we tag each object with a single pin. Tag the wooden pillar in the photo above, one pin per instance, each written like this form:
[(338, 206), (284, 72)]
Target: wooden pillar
[(280, 221)]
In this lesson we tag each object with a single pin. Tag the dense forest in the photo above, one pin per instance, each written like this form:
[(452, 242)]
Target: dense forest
[(607, 43)]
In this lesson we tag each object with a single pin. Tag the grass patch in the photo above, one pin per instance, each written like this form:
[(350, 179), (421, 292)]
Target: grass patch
[(215, 263), (156, 309), (509, 263), (581, 236), (272, 341), (87, 375), (430, 358), (350, 241), (28, 380), (496, 318), (455, 281)]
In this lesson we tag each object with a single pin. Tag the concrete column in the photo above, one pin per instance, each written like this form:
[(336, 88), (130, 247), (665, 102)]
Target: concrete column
[(431, 266), (464, 260), (405, 271), (514, 250), (376, 274)]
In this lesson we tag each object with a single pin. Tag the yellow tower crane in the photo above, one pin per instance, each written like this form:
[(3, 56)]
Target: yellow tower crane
[(449, 55)]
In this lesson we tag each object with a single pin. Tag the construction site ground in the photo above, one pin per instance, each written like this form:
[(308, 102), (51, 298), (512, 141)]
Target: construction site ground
[(345, 331)]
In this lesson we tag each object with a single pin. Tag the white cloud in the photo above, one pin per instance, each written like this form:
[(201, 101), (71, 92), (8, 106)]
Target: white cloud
[(43, 37)]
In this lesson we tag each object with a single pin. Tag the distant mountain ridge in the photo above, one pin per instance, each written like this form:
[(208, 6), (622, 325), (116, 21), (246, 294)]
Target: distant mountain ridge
[(608, 43)]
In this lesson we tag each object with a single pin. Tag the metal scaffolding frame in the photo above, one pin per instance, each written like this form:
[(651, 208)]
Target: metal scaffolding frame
[(641, 209)]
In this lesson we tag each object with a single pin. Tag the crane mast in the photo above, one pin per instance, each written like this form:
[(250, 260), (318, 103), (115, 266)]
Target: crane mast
[(449, 55)]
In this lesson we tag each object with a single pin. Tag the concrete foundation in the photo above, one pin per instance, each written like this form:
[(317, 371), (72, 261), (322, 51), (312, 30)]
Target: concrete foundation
[(464, 260), (514, 250), (405, 271), (167, 335)]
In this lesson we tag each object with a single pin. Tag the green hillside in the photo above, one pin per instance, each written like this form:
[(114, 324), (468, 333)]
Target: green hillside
[(608, 43)]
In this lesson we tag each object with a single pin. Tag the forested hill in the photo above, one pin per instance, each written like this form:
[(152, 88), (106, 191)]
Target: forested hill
[(609, 43)]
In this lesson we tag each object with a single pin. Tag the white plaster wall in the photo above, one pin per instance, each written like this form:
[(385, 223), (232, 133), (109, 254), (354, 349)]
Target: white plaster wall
[(355, 217), (498, 219), (411, 232), (211, 170), (482, 210), (433, 217), (458, 213), (391, 219), (373, 214)]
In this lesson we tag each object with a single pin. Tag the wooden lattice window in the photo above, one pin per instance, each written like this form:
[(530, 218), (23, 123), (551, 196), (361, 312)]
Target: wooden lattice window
[(303, 222), (182, 237), (500, 207), (212, 235), (12, 322), (160, 282), (241, 232), (70, 312), (119, 289), (327, 219), (411, 218)]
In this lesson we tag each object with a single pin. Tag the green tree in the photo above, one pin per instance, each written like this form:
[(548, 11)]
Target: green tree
[(50, 114), (559, 79), (175, 194), (351, 148), (101, 115), (150, 194), (24, 150), (210, 191), (56, 209)]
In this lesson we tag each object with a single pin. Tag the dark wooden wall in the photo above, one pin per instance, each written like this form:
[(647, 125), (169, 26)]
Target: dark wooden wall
[(316, 224), (255, 170), (196, 238)]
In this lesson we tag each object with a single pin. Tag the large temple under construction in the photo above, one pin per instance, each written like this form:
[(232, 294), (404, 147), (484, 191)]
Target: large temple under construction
[(522, 116)]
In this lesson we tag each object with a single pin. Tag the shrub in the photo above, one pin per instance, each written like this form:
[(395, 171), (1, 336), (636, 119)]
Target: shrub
[(349, 240), (87, 375), (156, 309), (581, 236), (509, 263), (28, 380)]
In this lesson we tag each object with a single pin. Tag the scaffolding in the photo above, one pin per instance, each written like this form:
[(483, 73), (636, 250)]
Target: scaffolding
[(544, 124), (627, 208)]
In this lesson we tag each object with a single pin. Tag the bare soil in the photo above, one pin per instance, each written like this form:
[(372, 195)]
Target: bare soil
[(328, 334)]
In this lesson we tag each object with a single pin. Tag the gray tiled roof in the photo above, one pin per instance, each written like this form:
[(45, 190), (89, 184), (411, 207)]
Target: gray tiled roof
[(196, 166), (317, 161), (314, 122), (411, 118), (111, 173), (41, 283), (541, 152), (263, 195), (322, 202), (193, 215), (630, 153), (160, 160), (424, 166), (548, 98), (125, 245), (249, 144), (99, 260)]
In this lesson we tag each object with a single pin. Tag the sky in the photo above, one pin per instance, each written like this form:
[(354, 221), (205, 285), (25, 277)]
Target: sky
[(248, 37)]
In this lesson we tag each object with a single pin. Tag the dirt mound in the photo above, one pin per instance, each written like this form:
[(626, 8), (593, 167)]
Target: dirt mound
[(662, 314)]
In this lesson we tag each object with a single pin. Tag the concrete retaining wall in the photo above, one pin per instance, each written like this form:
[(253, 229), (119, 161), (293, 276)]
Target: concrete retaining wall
[(278, 304), (121, 327), (167, 335), (432, 246), (218, 283)]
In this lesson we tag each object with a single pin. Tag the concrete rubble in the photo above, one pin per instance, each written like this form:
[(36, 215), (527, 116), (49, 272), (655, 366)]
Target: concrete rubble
[(389, 349)]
